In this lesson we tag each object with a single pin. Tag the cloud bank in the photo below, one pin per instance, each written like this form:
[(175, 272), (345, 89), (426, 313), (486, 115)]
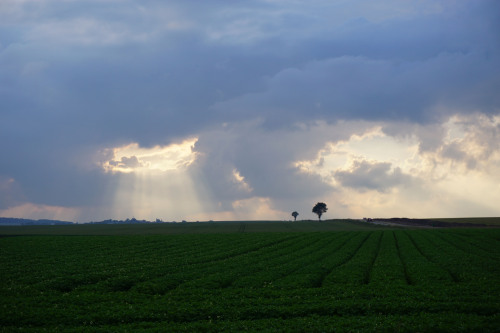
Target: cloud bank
[(374, 108)]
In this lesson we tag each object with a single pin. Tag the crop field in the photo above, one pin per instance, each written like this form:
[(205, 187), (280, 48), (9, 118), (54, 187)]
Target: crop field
[(188, 228), (491, 221), (398, 280)]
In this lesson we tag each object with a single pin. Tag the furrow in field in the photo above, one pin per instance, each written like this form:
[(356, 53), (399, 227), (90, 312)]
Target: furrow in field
[(139, 266), (172, 253), (432, 302), (403, 263), (314, 269), (387, 268), (271, 268), (221, 252), (213, 270), (255, 271), (290, 267), (250, 247), (352, 264), (342, 256), (201, 251), (486, 245), (216, 273), (431, 253), (368, 272), (469, 266), (215, 248), (269, 271), (419, 269), (470, 249)]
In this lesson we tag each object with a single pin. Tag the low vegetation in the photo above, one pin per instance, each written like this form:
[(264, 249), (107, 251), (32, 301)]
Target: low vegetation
[(375, 279), (189, 228)]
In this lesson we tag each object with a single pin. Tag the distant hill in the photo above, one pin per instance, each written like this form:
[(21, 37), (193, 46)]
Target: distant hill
[(4, 221), (17, 221)]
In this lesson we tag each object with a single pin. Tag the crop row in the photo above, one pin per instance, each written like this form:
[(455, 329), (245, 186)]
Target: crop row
[(155, 265), (189, 282)]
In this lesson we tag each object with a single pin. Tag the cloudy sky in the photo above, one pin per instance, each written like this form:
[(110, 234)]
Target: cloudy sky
[(226, 110)]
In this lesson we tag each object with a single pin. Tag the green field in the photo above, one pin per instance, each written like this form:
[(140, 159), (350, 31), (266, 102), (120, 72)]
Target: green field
[(490, 221), (349, 277), (188, 228)]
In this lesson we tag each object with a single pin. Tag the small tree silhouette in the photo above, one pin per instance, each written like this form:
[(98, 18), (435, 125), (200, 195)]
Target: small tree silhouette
[(319, 209), (295, 214)]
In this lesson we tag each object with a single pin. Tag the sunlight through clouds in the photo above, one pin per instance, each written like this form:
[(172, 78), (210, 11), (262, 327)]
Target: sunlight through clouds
[(240, 181), (132, 158), (371, 146), (473, 141), (256, 208), (375, 172), (171, 196), (154, 182)]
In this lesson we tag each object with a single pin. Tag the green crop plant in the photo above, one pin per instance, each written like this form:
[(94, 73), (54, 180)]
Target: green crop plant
[(360, 280)]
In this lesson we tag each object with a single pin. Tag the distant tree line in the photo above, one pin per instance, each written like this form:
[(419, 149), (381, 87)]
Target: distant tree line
[(18, 221)]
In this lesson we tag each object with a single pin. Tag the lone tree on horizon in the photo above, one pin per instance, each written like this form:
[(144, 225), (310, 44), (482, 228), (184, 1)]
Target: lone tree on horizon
[(319, 209), (295, 214)]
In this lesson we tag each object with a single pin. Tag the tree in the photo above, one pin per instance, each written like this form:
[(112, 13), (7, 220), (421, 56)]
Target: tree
[(295, 214), (319, 209)]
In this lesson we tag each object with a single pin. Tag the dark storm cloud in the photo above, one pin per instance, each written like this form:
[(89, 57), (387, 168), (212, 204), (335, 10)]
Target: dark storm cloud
[(78, 77), (390, 75), (265, 163), (362, 88), (379, 176)]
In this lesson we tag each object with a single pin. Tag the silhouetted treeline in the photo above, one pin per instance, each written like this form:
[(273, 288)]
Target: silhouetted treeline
[(18, 221)]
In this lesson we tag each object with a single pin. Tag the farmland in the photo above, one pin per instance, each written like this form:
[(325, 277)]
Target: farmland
[(188, 228), (357, 278)]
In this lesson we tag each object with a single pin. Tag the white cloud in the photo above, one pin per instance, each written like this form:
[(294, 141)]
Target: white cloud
[(375, 174), (240, 180), (133, 158), (472, 140)]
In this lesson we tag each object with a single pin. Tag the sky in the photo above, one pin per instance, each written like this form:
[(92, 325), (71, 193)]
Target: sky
[(249, 110)]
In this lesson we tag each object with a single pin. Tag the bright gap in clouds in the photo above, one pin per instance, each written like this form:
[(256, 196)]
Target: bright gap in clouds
[(133, 158), (240, 181), (376, 173), (383, 169), (373, 146), (154, 182)]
